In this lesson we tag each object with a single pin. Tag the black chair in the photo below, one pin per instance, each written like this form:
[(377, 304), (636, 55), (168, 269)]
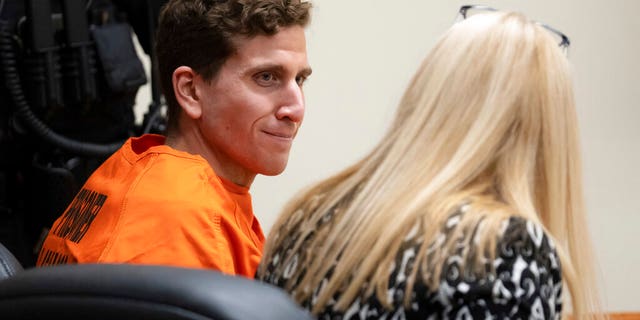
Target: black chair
[(121, 291), (9, 265)]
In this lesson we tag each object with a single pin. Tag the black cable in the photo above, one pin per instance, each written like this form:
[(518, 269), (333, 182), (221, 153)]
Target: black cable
[(24, 112)]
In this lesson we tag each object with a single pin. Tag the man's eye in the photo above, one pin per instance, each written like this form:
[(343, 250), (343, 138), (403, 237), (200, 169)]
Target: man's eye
[(265, 78), (300, 80)]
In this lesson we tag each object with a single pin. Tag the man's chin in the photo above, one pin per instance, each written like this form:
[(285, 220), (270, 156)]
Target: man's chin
[(272, 173), (273, 170)]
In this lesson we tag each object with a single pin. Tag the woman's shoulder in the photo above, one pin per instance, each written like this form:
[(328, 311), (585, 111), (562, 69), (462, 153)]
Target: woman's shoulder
[(524, 241), (523, 281)]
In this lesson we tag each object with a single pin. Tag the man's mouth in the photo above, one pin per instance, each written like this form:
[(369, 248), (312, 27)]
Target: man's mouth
[(281, 135)]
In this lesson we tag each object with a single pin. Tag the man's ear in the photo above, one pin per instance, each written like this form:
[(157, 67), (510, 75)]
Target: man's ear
[(185, 91)]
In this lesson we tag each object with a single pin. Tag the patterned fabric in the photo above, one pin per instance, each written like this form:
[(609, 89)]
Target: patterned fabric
[(527, 282)]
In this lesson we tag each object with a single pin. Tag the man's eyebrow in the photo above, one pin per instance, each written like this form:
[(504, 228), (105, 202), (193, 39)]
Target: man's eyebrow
[(269, 66), (306, 72), (278, 68)]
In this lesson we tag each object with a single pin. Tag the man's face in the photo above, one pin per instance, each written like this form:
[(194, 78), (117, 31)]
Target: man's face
[(254, 106)]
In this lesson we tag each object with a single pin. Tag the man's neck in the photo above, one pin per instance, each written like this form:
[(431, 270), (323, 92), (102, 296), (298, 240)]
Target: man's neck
[(221, 164)]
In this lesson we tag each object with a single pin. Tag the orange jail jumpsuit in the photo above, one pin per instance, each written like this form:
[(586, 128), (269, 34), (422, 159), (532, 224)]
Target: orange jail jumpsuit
[(151, 204)]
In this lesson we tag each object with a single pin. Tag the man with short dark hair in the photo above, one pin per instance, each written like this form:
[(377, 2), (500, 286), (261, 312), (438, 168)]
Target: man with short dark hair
[(232, 74)]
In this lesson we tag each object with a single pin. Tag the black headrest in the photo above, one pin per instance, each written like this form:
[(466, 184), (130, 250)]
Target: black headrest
[(110, 291), (9, 265)]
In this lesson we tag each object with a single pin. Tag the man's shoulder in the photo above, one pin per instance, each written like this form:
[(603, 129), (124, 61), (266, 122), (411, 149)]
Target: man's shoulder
[(169, 177), (161, 182)]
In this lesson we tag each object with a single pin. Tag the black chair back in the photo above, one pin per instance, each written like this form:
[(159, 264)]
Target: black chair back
[(121, 291)]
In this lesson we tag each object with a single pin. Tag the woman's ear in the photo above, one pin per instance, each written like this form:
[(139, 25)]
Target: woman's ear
[(185, 91)]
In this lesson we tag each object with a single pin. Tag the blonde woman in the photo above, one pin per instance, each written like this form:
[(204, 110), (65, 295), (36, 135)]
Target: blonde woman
[(471, 205)]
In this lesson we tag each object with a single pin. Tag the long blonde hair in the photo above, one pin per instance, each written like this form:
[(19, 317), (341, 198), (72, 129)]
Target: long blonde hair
[(489, 118)]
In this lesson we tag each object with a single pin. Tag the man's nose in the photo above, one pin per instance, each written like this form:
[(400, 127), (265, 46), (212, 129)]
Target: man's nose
[(292, 104)]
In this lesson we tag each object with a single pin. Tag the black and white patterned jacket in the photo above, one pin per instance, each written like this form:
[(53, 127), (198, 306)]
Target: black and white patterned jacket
[(527, 282)]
